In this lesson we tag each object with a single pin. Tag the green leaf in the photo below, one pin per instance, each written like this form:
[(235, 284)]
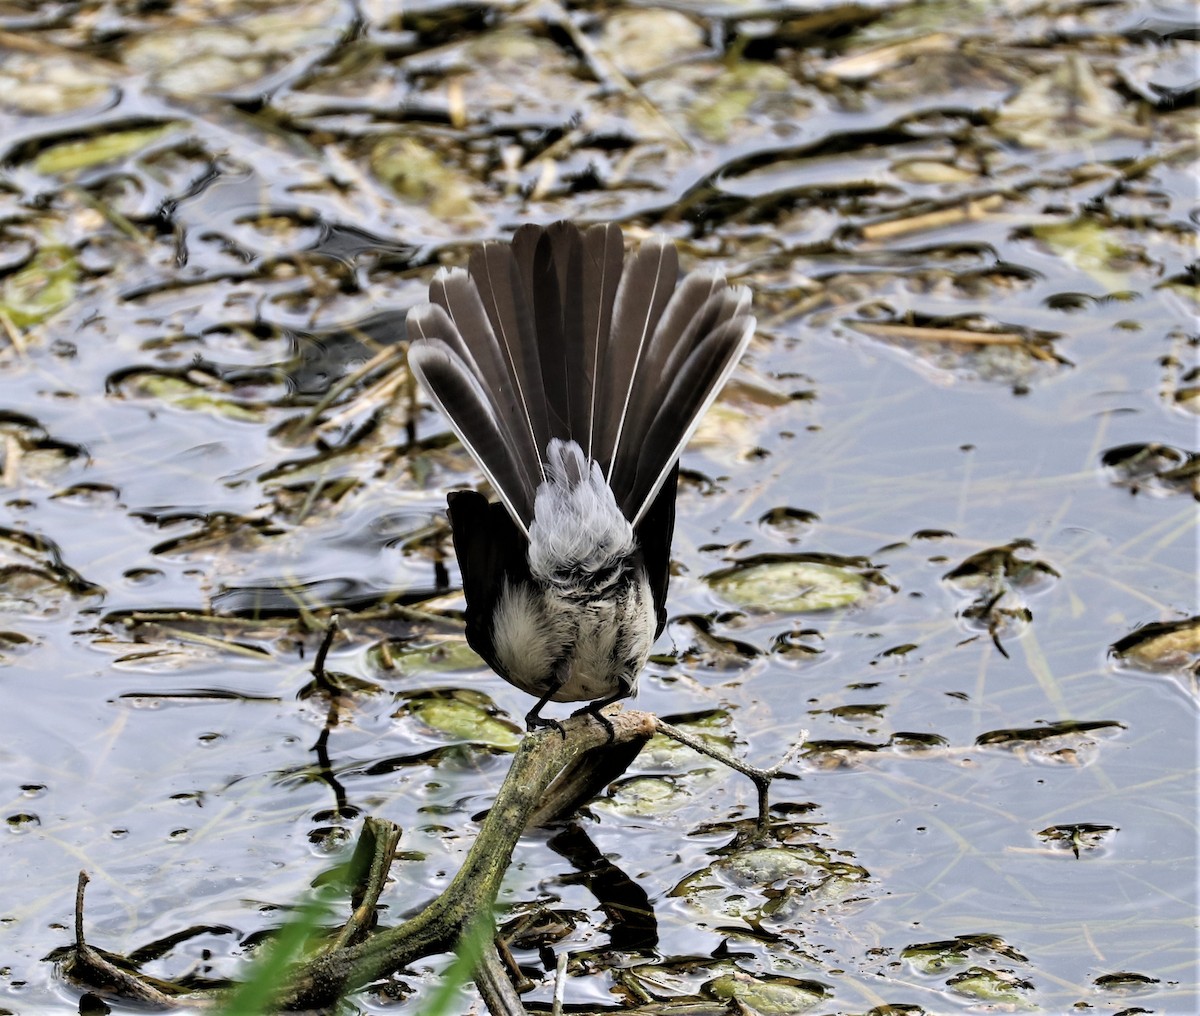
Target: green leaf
[(42, 288), (790, 585), (72, 156)]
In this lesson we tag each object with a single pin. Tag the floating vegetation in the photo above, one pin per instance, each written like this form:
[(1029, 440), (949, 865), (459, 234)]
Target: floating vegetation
[(421, 176), (1163, 647), (1080, 838), (199, 391), (796, 584), (42, 288), (1066, 742), (638, 42), (34, 580), (1000, 583), (710, 986), (1153, 468), (982, 353), (186, 58), (993, 987), (51, 84), (71, 157), (465, 716), (770, 995), (416, 657), (698, 646), (938, 957), (768, 885), (1107, 254), (29, 455), (1067, 106)]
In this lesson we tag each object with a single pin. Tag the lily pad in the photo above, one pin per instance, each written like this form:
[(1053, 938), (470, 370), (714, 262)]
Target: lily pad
[(769, 883), (42, 288), (193, 391), (645, 796), (948, 954), (463, 716), (1162, 646), (991, 986), (766, 994), (410, 657), (790, 585), (665, 753)]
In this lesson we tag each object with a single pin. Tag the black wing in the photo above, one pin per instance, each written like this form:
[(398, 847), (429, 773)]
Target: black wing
[(653, 536), (490, 548)]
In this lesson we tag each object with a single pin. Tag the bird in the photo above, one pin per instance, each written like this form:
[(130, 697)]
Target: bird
[(574, 375)]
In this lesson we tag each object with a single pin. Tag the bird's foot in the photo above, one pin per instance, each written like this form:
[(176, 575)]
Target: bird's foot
[(533, 722), (593, 709)]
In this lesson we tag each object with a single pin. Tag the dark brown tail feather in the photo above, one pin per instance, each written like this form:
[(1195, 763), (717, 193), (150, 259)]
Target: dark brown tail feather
[(556, 336)]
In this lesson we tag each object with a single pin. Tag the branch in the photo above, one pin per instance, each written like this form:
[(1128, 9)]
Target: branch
[(540, 758)]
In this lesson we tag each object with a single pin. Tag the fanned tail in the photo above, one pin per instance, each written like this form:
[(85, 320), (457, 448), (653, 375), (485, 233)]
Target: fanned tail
[(559, 336)]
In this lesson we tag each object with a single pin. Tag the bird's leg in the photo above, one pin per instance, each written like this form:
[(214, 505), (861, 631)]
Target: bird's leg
[(532, 718), (624, 690)]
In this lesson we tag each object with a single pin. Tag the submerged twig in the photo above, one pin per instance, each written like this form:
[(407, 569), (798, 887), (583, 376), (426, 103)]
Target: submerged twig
[(320, 676), (938, 219), (918, 333), (762, 778), (89, 965), (373, 856), (380, 360), (14, 334)]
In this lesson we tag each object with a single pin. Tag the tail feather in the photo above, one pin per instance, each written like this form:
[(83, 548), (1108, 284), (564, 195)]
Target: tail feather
[(496, 275), (551, 269), (603, 269), (559, 336), (689, 316), (455, 390), (723, 305), (646, 286), (692, 390), (458, 319)]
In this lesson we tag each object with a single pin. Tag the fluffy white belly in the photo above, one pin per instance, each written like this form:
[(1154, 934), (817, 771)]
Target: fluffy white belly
[(594, 646)]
